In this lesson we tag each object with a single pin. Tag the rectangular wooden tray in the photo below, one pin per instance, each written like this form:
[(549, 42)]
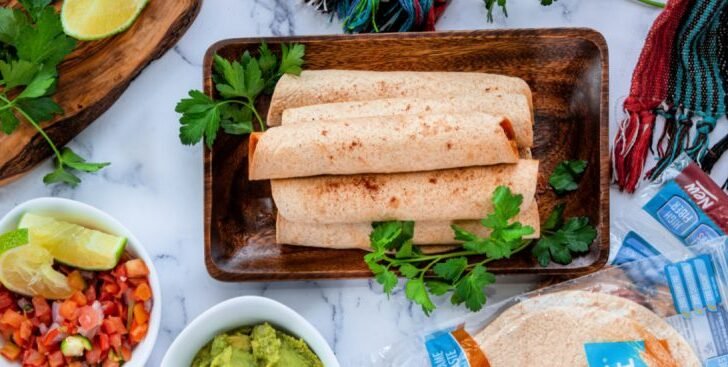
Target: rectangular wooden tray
[(567, 70)]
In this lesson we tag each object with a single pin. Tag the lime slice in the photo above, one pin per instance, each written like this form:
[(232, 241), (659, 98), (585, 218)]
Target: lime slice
[(13, 239), (89, 20), (29, 270), (72, 244)]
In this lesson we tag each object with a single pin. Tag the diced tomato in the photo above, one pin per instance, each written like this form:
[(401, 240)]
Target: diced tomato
[(104, 342), (6, 299), (56, 359), (114, 325), (110, 288), (115, 341), (26, 330), (10, 351), (141, 316), (90, 294), (33, 358), (109, 363), (110, 308), (136, 268), (76, 281), (69, 310), (126, 353), (12, 319), (93, 356), (138, 332), (41, 309), (52, 337), (75, 364), (143, 292), (79, 298)]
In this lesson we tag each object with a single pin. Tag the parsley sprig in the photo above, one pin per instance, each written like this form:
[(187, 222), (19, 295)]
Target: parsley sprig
[(239, 84), (464, 272), (560, 239), (32, 44), (566, 176)]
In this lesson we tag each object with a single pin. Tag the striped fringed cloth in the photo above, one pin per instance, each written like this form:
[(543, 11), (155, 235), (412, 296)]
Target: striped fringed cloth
[(680, 75), (364, 16)]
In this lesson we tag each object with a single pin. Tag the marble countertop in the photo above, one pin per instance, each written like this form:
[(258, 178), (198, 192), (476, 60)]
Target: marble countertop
[(155, 186)]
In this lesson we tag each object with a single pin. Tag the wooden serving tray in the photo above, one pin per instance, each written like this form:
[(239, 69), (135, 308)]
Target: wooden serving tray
[(93, 77), (566, 69)]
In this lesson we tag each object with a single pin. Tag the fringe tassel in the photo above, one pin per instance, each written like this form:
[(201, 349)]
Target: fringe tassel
[(632, 144), (361, 16), (701, 142), (677, 143), (712, 156)]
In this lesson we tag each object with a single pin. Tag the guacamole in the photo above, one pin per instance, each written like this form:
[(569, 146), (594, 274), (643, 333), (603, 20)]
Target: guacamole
[(256, 346)]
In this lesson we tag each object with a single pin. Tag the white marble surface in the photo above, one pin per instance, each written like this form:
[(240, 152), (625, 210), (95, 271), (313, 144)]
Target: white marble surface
[(154, 185)]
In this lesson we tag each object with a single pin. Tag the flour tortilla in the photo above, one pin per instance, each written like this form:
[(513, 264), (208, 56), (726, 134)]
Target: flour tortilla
[(382, 144), (328, 86), (513, 106), (356, 235), (452, 194), (603, 309)]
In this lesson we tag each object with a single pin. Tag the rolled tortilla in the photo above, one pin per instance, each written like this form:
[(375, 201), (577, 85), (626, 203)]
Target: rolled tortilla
[(512, 106), (384, 144), (356, 235), (327, 86), (452, 194)]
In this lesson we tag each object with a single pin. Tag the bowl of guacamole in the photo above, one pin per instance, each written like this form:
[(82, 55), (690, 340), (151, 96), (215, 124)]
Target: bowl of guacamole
[(261, 345), (250, 331)]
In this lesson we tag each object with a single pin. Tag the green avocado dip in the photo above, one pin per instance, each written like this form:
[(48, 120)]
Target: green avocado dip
[(256, 346)]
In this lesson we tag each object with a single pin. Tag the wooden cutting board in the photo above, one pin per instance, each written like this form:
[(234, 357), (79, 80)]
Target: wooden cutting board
[(93, 77)]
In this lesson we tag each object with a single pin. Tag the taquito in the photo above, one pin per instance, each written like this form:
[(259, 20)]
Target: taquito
[(452, 194), (512, 106), (384, 144), (327, 86), (356, 235)]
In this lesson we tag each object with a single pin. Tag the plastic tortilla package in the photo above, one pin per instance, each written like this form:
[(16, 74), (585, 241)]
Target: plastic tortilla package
[(682, 207), (672, 314)]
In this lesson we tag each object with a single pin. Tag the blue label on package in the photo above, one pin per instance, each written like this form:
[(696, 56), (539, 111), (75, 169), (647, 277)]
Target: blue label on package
[(679, 213), (693, 285), (444, 350), (721, 361), (615, 354)]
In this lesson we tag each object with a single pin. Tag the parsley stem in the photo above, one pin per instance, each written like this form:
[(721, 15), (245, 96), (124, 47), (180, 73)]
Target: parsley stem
[(257, 115), (437, 257), (42, 133)]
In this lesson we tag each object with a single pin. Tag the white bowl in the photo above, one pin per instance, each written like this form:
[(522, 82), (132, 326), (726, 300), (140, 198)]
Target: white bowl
[(83, 214), (244, 311)]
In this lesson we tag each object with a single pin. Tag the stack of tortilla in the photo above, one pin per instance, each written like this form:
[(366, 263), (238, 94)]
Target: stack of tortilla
[(348, 148), (553, 330)]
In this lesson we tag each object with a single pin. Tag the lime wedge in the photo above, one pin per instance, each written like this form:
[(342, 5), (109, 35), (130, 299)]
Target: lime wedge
[(89, 20), (29, 270), (72, 244), (13, 239)]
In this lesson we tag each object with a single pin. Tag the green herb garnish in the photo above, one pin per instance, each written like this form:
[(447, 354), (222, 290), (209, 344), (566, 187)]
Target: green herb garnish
[(561, 240), (32, 44), (565, 176), (461, 272), (239, 84)]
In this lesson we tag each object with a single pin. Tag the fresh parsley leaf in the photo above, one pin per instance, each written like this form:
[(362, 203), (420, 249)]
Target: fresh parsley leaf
[(384, 234), (12, 22), (39, 85), (60, 175), (8, 121), (470, 289), (437, 288), (561, 240), (565, 176), (409, 271), (451, 269), (388, 280), (200, 119), (35, 7), (40, 109), (44, 44), (73, 160), (17, 73), (416, 291), (291, 59), (266, 59), (506, 206)]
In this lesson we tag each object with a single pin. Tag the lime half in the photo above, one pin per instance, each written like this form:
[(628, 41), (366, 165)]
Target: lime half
[(89, 20), (72, 244), (29, 270), (13, 239)]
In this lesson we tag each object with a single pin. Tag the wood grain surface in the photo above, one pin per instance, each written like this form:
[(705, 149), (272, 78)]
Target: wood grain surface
[(93, 77), (567, 71)]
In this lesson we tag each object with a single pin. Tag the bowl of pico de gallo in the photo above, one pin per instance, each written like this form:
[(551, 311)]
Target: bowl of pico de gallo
[(76, 288)]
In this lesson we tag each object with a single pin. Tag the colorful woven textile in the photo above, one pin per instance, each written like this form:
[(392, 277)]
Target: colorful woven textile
[(364, 16), (681, 75)]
